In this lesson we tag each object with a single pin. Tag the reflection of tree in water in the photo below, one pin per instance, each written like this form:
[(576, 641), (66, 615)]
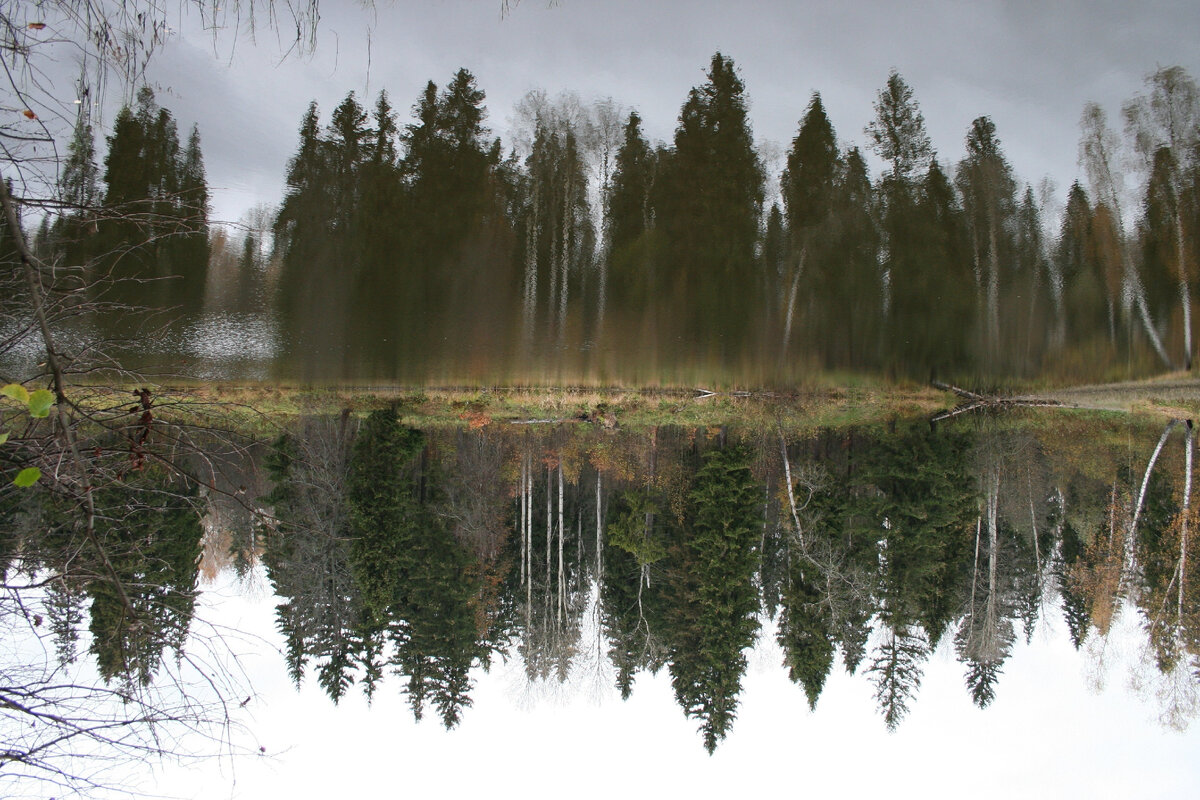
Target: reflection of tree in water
[(378, 559), (1006, 564), (924, 509), (139, 596), (714, 615)]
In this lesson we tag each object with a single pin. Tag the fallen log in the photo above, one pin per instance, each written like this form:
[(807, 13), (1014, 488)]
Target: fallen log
[(974, 401)]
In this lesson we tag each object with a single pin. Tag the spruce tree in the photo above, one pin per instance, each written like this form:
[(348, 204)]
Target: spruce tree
[(716, 617), (989, 203), (629, 197), (709, 207), (154, 232), (812, 266), (190, 246), (80, 191), (897, 134)]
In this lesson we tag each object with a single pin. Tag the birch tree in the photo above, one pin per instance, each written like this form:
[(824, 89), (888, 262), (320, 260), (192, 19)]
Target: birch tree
[(1098, 156), (1164, 127)]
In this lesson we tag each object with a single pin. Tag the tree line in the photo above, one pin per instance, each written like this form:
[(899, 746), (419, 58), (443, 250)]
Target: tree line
[(403, 248)]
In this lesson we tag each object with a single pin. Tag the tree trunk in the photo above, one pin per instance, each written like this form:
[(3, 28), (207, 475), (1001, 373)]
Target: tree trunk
[(1185, 294), (791, 302), (562, 590), (1131, 535), (1186, 512)]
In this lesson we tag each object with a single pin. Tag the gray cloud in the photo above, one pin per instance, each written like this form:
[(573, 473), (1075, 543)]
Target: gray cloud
[(1030, 66)]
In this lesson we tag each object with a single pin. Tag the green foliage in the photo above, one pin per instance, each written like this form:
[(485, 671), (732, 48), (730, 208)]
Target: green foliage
[(38, 406), (897, 134), (154, 230), (40, 402), (633, 529), (27, 477), (715, 619), (708, 202), (152, 539)]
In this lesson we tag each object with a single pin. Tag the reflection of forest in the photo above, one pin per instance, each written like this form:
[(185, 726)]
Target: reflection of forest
[(426, 553), (423, 554)]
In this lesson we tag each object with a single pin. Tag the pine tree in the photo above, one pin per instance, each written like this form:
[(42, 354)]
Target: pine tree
[(1088, 310), (154, 233), (190, 246), (348, 145)]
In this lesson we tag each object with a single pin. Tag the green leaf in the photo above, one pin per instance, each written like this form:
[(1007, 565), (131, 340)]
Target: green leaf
[(17, 392), (27, 477), (40, 402), (3, 437)]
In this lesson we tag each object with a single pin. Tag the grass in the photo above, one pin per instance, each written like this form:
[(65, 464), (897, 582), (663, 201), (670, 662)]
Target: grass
[(260, 409)]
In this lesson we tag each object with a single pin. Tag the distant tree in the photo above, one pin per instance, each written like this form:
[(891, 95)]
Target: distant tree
[(348, 143), (629, 212), (897, 667), (1097, 154), (633, 281), (559, 240), (922, 240), (154, 227), (79, 187), (191, 247), (927, 260)]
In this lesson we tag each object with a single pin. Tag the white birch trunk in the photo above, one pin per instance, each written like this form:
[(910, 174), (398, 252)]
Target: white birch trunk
[(991, 612), (787, 471), (565, 259), (791, 301), (521, 517), (528, 531), (562, 590), (1131, 535), (599, 529), (1183, 532)]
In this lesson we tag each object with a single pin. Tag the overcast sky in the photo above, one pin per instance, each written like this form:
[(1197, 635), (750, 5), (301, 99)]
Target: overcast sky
[(1030, 66)]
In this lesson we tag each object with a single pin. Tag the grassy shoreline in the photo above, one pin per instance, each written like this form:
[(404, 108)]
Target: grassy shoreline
[(263, 407)]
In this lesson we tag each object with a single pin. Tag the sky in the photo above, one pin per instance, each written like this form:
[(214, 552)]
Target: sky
[(1029, 66)]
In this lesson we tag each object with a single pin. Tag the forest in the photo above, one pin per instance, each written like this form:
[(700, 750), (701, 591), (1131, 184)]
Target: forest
[(430, 249)]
